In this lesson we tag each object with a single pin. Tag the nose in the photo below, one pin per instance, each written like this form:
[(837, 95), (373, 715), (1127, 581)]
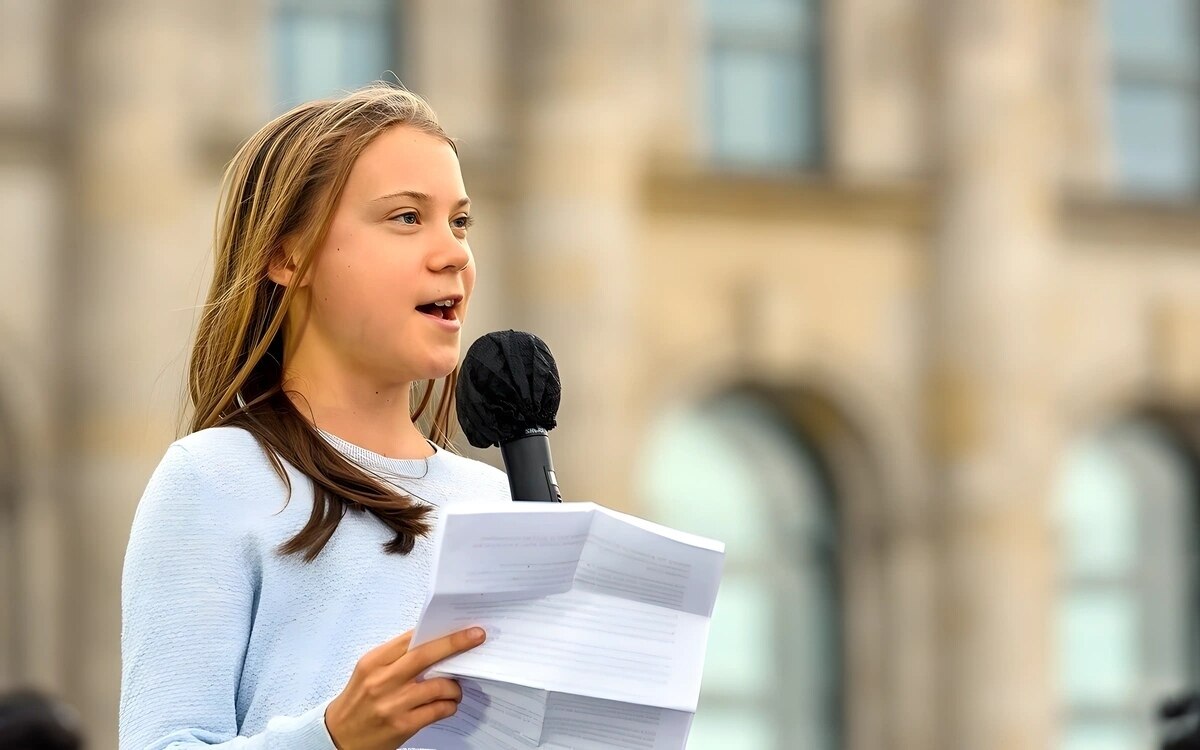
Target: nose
[(451, 253)]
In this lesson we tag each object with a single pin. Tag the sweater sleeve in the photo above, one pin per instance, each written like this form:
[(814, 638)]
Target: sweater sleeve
[(187, 598)]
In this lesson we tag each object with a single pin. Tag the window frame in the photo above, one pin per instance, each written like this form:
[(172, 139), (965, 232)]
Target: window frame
[(1137, 583), (1138, 75), (728, 413), (807, 52), (284, 84)]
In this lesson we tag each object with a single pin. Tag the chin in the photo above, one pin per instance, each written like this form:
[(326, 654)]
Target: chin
[(438, 369), (427, 361)]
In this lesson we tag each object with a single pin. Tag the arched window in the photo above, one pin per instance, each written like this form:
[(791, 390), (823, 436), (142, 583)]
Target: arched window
[(1127, 613), (733, 470)]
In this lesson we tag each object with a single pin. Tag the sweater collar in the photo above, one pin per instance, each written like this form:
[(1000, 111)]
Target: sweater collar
[(410, 468)]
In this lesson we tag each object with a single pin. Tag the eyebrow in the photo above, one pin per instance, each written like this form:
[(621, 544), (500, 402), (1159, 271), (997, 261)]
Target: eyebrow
[(417, 196)]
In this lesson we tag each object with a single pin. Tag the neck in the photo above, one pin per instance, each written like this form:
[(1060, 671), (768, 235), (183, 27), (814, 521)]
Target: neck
[(372, 416), (390, 439)]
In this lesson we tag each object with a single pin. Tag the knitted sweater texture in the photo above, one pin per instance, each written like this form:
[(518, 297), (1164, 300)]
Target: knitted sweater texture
[(224, 642)]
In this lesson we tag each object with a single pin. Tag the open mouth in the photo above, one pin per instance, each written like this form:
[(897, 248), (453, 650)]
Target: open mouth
[(442, 310)]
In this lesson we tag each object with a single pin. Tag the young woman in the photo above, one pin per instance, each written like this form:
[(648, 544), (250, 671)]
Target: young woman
[(282, 545)]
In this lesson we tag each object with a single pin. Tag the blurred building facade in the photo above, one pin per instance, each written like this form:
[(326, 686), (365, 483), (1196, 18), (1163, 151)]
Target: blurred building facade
[(899, 298)]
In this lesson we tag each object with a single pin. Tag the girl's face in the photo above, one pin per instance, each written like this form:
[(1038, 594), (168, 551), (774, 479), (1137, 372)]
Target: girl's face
[(396, 246)]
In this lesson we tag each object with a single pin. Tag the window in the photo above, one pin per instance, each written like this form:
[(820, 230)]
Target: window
[(763, 82), (322, 47), (1155, 57), (733, 471), (1127, 614)]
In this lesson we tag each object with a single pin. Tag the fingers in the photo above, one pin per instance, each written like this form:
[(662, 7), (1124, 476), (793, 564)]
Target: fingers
[(425, 715), (386, 653), (426, 655), (434, 690), (384, 704)]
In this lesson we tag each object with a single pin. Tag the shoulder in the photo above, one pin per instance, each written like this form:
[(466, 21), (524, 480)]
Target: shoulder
[(483, 479), (200, 469), (218, 444), (221, 454)]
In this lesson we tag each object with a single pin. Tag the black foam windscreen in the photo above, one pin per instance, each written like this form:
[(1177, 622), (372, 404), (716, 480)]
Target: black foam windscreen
[(508, 384)]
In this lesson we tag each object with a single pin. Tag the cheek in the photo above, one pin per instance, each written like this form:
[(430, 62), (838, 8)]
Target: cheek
[(468, 282), (355, 294), (334, 284)]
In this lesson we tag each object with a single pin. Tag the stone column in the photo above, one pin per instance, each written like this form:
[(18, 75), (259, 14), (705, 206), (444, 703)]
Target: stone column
[(582, 96), (993, 432), (30, 514), (146, 113), (873, 55)]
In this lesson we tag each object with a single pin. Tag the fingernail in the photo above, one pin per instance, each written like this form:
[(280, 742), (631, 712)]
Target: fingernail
[(476, 633)]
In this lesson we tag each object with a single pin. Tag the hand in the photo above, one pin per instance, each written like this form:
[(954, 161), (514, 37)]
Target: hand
[(384, 705)]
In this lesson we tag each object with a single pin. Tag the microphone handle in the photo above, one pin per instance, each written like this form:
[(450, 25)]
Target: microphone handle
[(530, 467)]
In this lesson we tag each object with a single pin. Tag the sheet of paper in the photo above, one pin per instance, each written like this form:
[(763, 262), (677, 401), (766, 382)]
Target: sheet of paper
[(582, 723), (495, 552), (501, 716), (491, 715), (580, 642), (600, 616), (635, 563)]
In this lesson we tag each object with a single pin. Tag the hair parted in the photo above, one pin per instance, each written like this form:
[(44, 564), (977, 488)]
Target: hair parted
[(283, 184)]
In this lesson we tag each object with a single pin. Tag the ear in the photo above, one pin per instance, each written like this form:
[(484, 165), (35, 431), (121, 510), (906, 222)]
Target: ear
[(282, 269)]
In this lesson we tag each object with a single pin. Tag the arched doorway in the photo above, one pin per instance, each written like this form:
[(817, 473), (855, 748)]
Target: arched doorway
[(733, 468), (1127, 611)]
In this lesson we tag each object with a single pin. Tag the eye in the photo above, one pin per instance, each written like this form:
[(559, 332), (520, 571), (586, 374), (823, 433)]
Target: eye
[(408, 217), (462, 222)]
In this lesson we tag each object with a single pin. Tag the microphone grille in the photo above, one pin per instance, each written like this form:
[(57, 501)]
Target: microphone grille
[(508, 384)]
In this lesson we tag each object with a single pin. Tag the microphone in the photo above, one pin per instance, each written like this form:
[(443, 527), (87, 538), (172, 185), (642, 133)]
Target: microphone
[(508, 394)]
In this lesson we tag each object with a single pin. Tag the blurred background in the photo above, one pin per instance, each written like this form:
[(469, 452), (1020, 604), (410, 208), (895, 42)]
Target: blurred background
[(898, 298)]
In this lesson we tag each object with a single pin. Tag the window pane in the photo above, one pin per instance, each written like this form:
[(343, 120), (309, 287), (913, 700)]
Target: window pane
[(1158, 33), (323, 48), (1163, 486), (313, 53), (741, 655), (1127, 619), (787, 480), (1098, 515), (1158, 139), (1111, 735), (786, 19), (1155, 51), (366, 50), (733, 471), (725, 728), (762, 82), (759, 100), (811, 691), (1100, 638), (693, 481)]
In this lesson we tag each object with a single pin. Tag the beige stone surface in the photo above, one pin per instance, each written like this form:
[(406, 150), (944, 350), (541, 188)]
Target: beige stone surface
[(940, 307)]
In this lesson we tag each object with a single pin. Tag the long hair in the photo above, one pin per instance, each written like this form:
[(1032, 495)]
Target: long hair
[(284, 183)]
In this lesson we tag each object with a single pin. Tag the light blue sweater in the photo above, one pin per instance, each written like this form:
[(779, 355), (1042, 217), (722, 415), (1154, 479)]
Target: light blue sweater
[(227, 644)]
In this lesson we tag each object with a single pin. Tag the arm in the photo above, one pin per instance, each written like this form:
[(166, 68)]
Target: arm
[(186, 602)]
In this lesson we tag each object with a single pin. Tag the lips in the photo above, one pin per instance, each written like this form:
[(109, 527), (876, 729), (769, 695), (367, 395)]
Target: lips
[(440, 309), (441, 313)]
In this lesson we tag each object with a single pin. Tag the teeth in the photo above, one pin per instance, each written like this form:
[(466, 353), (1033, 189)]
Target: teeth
[(445, 303)]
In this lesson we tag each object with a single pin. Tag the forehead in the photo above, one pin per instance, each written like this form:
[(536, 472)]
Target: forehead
[(403, 158)]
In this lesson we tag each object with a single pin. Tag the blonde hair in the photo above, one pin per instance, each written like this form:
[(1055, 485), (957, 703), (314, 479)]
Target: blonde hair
[(283, 184)]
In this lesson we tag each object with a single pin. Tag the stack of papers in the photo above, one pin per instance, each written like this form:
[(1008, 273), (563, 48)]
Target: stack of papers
[(596, 625)]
